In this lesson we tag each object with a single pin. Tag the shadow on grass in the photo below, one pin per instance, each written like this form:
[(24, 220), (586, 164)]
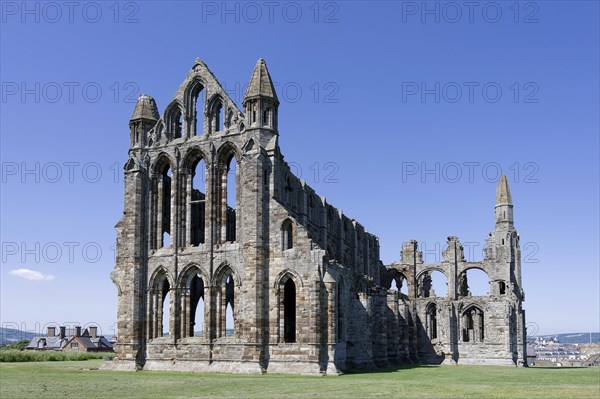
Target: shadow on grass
[(392, 369)]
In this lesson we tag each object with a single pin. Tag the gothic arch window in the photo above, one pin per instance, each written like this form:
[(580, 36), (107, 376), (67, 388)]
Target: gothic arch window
[(287, 286), (473, 328), (195, 212), (287, 235), (228, 194), (162, 203), (159, 302), (175, 120), (431, 319), (226, 287), (289, 311), (432, 283), (192, 302), (215, 115), (196, 100), (473, 282)]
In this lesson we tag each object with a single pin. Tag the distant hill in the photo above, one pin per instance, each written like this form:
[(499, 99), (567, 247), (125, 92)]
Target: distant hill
[(10, 336), (571, 338)]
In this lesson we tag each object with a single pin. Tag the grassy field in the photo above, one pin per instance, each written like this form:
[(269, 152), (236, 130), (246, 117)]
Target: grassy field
[(12, 355), (81, 379)]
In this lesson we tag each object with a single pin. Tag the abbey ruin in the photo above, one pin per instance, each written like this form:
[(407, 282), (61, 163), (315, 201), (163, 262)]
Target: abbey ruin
[(228, 262)]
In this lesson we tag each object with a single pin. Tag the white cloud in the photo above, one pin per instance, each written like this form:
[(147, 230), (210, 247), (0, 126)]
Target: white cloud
[(29, 274)]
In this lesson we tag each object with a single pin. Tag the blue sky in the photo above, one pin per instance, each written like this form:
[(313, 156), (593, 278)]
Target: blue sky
[(400, 113)]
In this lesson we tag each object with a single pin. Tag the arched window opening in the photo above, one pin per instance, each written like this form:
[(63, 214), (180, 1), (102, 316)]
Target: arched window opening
[(231, 199), (216, 118), (433, 284), (198, 99), (393, 286), (196, 307), (403, 287), (175, 123), (473, 282), (287, 235), (432, 321), (198, 203), (473, 325), (164, 204), (229, 321), (165, 309), (289, 311), (502, 287)]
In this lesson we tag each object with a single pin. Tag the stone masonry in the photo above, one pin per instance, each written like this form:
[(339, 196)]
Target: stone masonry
[(215, 223)]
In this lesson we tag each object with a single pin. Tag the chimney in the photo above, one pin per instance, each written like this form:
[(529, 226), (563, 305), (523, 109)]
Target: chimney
[(93, 331), (62, 332), (78, 331), (51, 331)]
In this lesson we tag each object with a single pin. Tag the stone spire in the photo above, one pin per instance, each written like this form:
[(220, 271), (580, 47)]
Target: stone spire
[(260, 101), (261, 84), (503, 192), (504, 205), (145, 108)]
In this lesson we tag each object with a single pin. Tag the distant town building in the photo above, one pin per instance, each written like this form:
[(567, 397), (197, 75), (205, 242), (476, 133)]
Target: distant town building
[(71, 339)]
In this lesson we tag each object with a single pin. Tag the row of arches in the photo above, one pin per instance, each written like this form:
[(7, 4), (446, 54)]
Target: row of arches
[(471, 282), (197, 306), (195, 193), (472, 325), (197, 115)]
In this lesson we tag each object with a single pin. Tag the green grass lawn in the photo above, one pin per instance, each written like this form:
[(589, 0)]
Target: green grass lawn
[(81, 379)]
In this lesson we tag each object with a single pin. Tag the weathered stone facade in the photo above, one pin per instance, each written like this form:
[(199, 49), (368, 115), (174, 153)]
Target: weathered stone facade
[(214, 215)]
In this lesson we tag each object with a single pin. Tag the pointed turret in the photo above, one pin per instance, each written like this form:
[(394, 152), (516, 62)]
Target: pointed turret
[(261, 84), (504, 205), (260, 101), (144, 117), (503, 192)]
